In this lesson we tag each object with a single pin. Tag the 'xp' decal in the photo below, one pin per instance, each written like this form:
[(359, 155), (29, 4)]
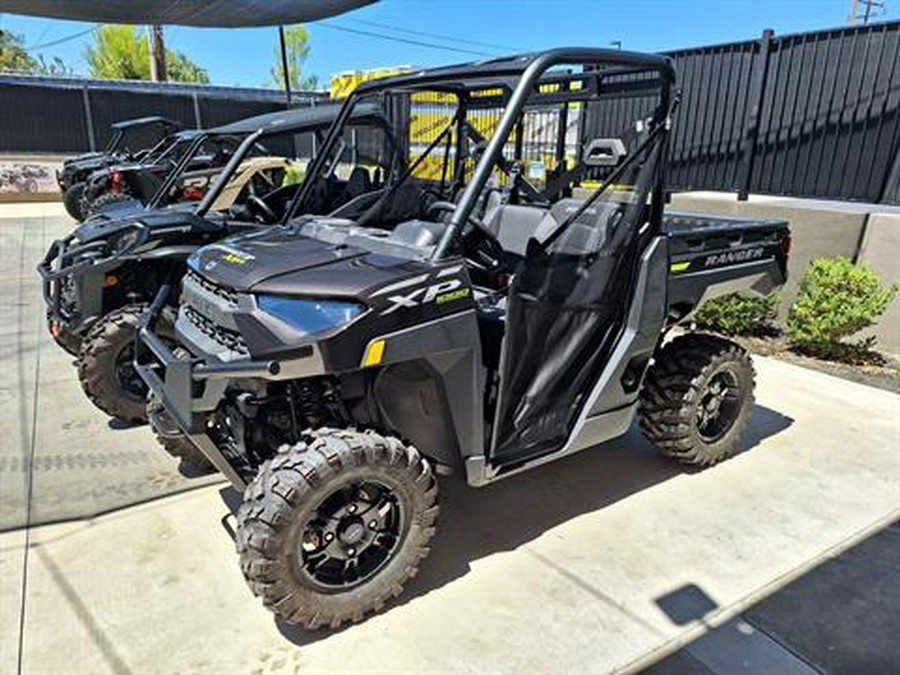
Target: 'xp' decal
[(441, 292)]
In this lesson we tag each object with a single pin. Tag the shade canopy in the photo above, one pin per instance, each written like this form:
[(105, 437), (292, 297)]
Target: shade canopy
[(210, 13)]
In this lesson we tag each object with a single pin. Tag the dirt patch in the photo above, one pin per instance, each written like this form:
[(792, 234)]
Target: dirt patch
[(877, 369)]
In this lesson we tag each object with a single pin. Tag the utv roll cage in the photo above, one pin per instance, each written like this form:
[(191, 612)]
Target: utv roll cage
[(512, 83), (121, 128), (251, 132)]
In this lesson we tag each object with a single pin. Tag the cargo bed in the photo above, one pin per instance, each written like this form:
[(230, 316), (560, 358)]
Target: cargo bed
[(713, 255)]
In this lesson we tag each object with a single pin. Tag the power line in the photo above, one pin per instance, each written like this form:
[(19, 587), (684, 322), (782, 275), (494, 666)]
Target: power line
[(419, 43), (438, 36), (68, 38)]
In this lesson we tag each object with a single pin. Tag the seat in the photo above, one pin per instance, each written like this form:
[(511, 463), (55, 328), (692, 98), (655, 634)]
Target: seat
[(359, 183), (589, 231), (512, 224)]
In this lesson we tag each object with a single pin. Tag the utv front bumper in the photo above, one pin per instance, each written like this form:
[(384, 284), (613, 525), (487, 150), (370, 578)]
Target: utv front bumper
[(70, 276), (191, 389)]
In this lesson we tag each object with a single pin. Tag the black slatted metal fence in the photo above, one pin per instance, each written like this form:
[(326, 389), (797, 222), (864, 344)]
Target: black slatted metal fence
[(69, 116), (807, 115)]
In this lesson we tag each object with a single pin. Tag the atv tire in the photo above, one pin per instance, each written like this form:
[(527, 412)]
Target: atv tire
[(73, 200), (696, 399), (365, 502), (174, 441), (109, 199), (104, 363)]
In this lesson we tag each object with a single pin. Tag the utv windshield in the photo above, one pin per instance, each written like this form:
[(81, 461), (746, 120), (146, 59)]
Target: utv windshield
[(251, 169)]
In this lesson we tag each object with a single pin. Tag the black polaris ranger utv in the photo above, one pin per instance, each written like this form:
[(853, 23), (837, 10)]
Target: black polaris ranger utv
[(71, 176), (475, 321), (98, 279)]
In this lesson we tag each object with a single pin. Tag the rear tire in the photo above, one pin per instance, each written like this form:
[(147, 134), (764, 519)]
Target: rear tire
[(696, 399), (332, 528), (104, 363), (174, 441), (73, 200)]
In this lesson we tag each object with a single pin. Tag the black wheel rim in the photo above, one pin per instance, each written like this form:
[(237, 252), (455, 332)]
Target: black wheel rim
[(350, 536), (719, 405)]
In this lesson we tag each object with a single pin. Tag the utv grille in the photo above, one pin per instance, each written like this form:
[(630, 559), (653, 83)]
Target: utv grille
[(225, 293), (222, 336)]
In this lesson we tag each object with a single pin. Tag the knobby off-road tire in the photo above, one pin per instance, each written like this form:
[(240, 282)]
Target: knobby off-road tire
[(104, 363), (277, 530), (109, 199), (73, 200), (175, 442), (696, 399)]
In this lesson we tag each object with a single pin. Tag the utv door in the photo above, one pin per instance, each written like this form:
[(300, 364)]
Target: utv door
[(567, 307)]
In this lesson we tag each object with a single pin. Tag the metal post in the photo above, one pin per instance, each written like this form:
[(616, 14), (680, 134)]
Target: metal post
[(88, 116), (158, 71), (755, 99), (890, 192), (285, 67), (198, 119)]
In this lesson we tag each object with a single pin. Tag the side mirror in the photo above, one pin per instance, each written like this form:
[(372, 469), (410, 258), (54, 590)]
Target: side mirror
[(604, 152)]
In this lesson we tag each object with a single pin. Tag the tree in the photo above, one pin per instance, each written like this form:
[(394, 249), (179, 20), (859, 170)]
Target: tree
[(182, 69), (123, 53), (55, 67), (296, 40), (13, 57)]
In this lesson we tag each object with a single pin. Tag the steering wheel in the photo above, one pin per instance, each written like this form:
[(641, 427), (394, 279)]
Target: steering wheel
[(479, 245), (262, 211)]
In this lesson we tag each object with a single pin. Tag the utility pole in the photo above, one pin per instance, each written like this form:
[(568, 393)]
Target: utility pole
[(157, 55), (285, 66), (866, 14)]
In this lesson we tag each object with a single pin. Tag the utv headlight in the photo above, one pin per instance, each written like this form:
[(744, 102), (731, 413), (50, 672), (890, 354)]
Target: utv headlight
[(310, 316), (128, 240)]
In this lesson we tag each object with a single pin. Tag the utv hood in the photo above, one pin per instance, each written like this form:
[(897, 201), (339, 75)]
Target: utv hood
[(101, 227), (281, 262)]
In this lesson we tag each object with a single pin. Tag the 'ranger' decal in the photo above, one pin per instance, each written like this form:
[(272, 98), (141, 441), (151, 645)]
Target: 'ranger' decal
[(732, 257)]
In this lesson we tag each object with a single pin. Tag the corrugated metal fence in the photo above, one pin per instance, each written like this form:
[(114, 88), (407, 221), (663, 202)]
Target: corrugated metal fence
[(807, 115), (69, 116)]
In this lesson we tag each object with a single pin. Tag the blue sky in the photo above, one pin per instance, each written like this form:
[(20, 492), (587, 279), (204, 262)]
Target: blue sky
[(483, 28)]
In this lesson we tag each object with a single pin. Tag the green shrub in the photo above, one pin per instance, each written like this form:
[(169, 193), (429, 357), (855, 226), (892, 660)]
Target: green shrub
[(836, 300), (739, 314)]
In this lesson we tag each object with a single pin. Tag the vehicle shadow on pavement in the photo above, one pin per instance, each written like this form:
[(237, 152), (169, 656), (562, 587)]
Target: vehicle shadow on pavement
[(475, 523)]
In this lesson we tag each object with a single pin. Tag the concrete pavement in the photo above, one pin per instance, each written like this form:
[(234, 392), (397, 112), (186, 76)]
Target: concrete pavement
[(607, 561), (592, 565)]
